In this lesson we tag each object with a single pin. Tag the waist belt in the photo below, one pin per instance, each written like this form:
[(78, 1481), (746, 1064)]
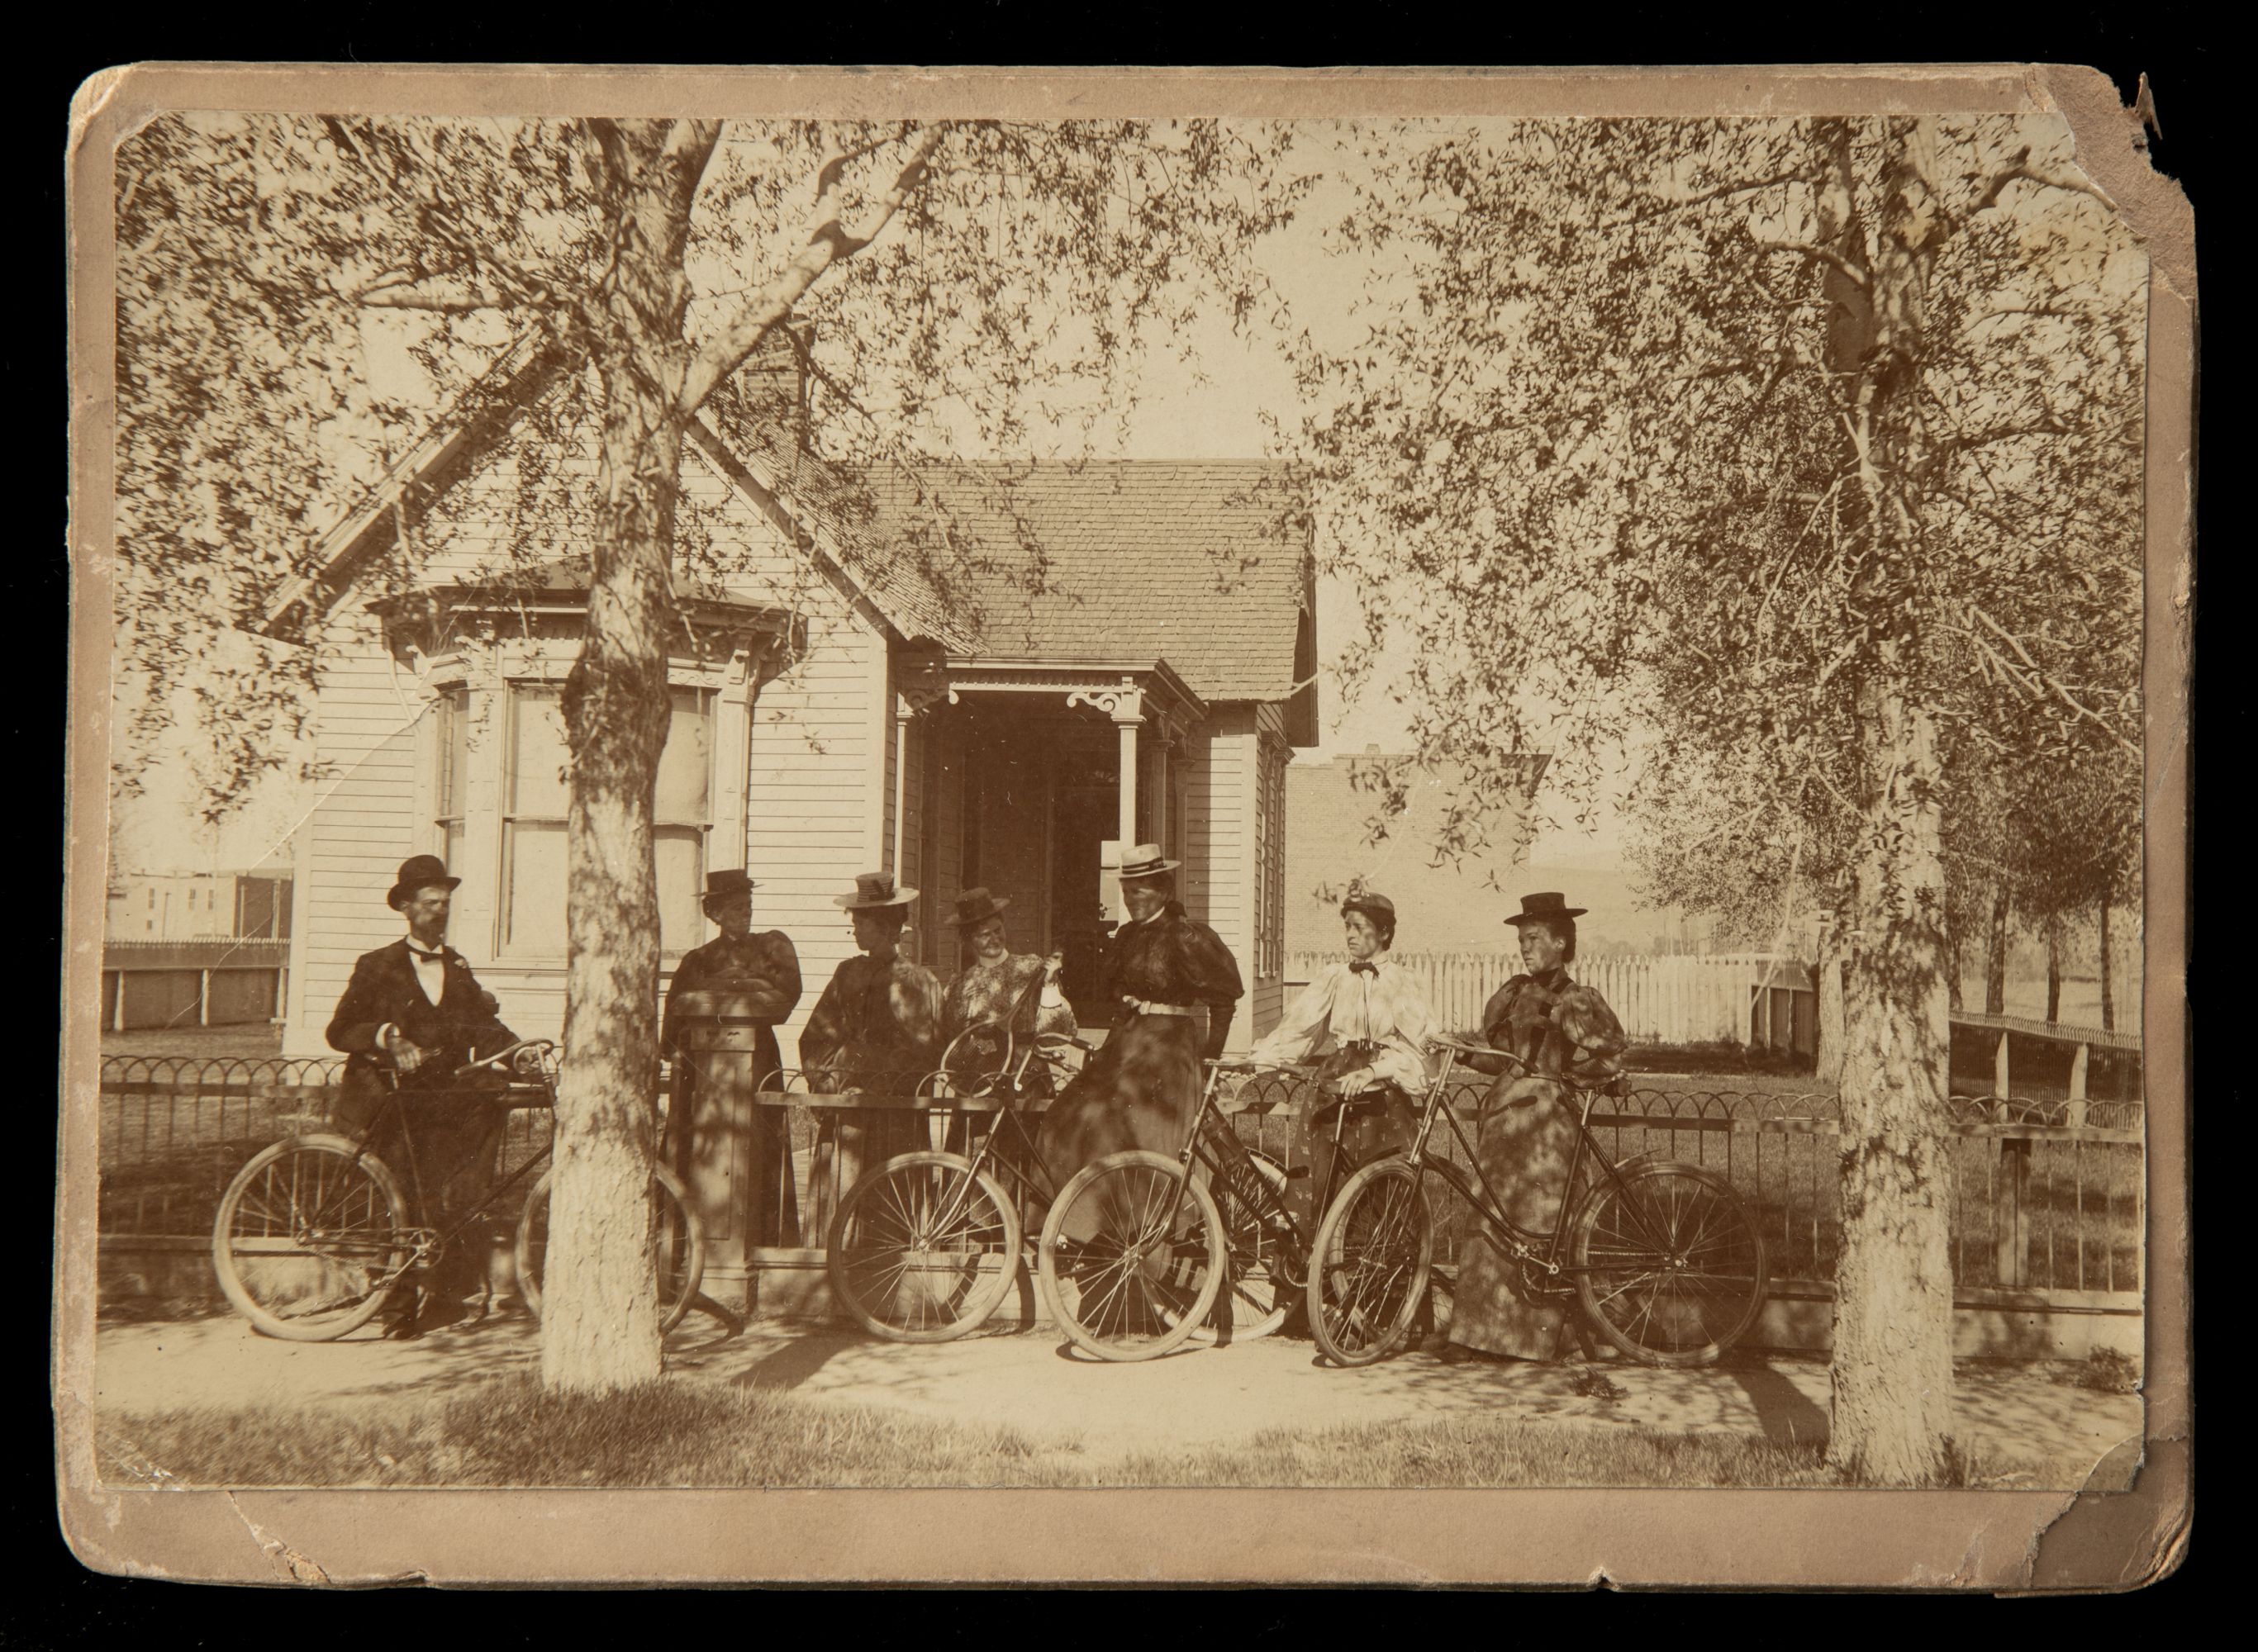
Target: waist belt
[(1144, 1008)]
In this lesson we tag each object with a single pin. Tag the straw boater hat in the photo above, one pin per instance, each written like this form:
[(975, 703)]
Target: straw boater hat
[(1144, 861), (874, 889), (976, 906), (416, 872), (1535, 909), (727, 883)]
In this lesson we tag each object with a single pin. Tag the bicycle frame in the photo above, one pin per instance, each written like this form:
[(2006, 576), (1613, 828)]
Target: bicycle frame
[(1485, 1203), (1236, 1180), (428, 1241)]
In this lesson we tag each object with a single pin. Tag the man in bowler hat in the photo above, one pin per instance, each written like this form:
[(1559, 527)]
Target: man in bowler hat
[(414, 1010)]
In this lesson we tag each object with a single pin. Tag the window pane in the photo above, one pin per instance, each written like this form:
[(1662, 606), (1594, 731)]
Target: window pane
[(537, 782), (681, 854), (532, 904), (686, 760)]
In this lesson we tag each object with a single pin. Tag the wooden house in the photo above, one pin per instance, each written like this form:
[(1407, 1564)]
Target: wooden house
[(831, 713)]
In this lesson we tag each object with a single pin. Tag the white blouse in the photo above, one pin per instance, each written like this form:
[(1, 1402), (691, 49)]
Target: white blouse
[(1383, 1007)]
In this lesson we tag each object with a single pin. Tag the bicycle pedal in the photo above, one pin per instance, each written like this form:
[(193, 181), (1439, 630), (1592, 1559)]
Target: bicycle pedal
[(1298, 1172)]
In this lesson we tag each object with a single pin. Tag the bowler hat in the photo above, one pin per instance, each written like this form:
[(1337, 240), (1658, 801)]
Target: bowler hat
[(1535, 909), (1143, 859), (418, 871), (730, 881), (976, 906), (875, 889)]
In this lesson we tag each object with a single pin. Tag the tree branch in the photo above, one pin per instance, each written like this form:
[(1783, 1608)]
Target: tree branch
[(447, 294), (2061, 693), (2021, 168), (826, 242), (1851, 272)]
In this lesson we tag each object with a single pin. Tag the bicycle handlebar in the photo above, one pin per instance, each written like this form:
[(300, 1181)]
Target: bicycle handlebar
[(510, 1054)]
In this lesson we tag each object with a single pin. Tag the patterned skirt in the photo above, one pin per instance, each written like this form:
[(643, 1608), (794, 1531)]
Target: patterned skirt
[(1524, 1136)]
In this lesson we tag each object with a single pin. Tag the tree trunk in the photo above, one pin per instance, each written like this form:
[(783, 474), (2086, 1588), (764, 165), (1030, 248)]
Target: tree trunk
[(1892, 1356), (1952, 964), (600, 1315), (2053, 966), (1831, 1003), (2108, 1004), (1995, 955), (1891, 1367)]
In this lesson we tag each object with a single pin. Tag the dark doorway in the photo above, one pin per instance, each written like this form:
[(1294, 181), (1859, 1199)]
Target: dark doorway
[(1086, 813)]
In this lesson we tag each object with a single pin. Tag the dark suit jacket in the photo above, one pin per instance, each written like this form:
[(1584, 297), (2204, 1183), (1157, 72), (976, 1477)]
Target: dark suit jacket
[(460, 1027)]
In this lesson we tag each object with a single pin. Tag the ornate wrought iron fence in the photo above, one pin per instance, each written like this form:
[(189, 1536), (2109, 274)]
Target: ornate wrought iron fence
[(2038, 1202)]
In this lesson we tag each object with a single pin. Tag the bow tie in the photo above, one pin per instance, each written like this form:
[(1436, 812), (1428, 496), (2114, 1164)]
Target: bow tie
[(1361, 967), (427, 957)]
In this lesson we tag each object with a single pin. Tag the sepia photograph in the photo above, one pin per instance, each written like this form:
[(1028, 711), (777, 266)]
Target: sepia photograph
[(1060, 786)]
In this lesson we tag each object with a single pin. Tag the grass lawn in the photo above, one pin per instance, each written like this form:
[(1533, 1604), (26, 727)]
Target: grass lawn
[(505, 1432)]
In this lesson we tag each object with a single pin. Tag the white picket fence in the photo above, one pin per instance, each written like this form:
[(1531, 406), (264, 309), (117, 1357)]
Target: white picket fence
[(1703, 999)]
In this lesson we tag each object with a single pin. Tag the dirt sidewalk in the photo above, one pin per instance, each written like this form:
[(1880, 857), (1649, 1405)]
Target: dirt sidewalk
[(1036, 1383)]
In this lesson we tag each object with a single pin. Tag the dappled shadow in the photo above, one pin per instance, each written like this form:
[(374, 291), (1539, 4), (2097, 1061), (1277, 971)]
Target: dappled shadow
[(799, 1358)]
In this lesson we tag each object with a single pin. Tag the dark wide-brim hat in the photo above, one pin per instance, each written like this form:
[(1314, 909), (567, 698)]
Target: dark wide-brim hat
[(874, 890), (727, 883), (1144, 861), (976, 906), (418, 871), (1546, 904)]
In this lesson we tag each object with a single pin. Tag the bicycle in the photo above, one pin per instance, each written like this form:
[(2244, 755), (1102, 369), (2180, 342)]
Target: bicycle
[(312, 1235), (1658, 1256), (924, 1247), (1162, 1236)]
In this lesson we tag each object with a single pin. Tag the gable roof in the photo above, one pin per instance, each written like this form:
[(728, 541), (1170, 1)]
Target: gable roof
[(1181, 560), (478, 419)]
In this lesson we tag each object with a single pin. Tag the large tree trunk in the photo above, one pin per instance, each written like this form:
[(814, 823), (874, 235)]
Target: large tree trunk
[(1891, 1367), (1995, 954), (1892, 1357), (600, 1315)]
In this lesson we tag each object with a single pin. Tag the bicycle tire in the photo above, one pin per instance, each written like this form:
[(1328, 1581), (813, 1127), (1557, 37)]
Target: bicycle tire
[(680, 1281), (1668, 1266), (894, 1212), (1369, 1264), (341, 1210), (1121, 1284), (1258, 1294)]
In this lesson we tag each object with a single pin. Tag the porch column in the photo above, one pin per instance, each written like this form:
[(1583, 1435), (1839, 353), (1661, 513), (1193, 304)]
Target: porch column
[(1127, 727), (1125, 705)]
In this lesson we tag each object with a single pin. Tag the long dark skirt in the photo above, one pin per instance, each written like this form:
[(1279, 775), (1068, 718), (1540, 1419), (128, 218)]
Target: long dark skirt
[(1140, 1090), (1524, 1136), (1368, 1126)]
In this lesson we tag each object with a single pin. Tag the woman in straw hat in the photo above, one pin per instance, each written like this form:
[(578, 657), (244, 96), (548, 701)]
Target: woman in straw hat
[(1142, 1086), (998, 983), (763, 973), (1527, 1129), (875, 1027)]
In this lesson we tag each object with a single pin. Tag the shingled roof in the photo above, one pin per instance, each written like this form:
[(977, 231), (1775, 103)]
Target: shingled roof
[(1183, 560)]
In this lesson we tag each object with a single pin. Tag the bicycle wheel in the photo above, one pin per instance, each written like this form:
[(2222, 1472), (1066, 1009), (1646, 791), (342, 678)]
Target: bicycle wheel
[(1130, 1257), (1261, 1285), (923, 1249), (1368, 1268), (679, 1236), (310, 1239), (1667, 1264)]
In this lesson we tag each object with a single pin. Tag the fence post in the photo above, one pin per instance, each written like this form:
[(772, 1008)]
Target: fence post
[(2011, 1176), (203, 997), (2077, 1114)]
